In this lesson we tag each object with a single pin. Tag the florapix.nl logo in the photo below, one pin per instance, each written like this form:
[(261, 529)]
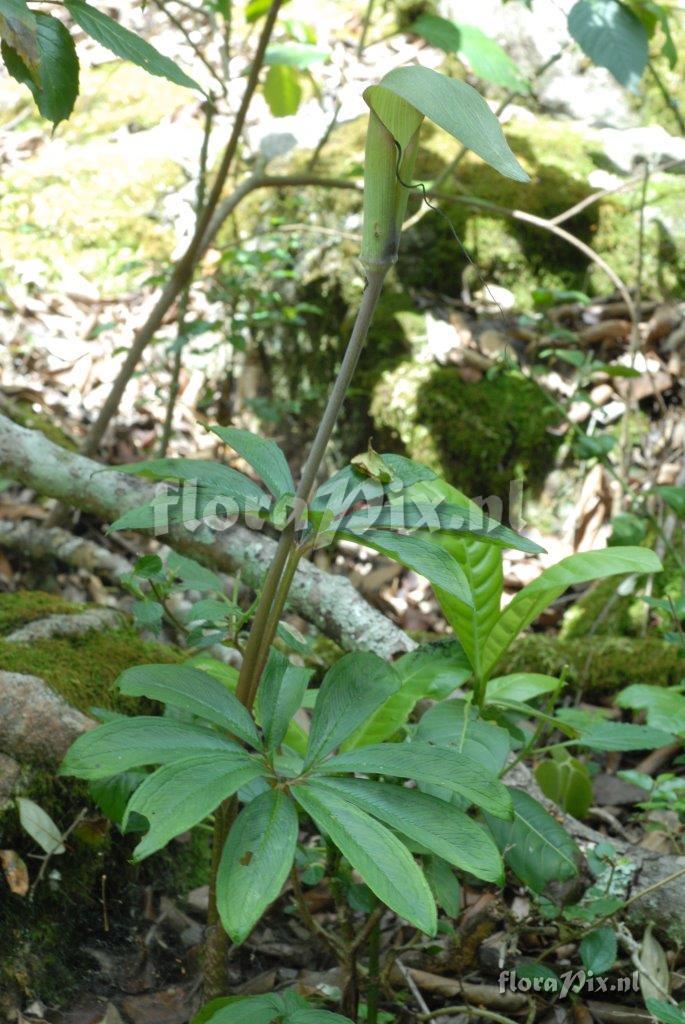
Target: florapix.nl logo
[(537, 980)]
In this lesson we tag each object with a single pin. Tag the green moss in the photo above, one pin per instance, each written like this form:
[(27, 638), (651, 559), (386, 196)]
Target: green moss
[(26, 606), (24, 414), (602, 611), (599, 665), (480, 436), (84, 669)]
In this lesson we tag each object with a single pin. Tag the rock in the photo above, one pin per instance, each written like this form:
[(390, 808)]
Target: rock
[(67, 625), (650, 144), (35, 723)]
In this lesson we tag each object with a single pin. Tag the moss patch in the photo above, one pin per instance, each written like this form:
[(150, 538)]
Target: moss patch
[(596, 666), (26, 606), (480, 436), (602, 611)]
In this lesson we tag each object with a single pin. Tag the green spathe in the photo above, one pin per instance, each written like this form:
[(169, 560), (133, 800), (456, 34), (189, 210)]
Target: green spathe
[(398, 104)]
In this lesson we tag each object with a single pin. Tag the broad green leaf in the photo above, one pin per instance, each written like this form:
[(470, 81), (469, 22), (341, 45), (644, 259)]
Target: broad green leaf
[(192, 505), (486, 58), (665, 706), (279, 697), (316, 1017), (610, 34), (256, 9), (535, 846), (425, 763), (294, 55), (264, 455), (455, 107), (454, 723), (352, 689), (598, 950), (381, 859), (551, 584), (39, 826), (179, 795), (282, 90), (19, 30), (418, 554), (567, 782), (433, 670), (520, 686), (256, 861), (127, 743), (55, 85), (348, 486), (126, 44), (191, 690), (436, 825), (444, 884)]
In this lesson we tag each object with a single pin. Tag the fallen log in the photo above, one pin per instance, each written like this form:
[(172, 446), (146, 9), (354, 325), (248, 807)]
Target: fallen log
[(329, 602), (38, 541)]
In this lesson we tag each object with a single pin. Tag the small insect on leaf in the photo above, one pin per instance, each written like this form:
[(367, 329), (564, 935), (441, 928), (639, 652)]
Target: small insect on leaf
[(246, 858), (372, 465)]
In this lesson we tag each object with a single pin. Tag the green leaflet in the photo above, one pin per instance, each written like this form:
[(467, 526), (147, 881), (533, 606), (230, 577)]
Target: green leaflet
[(19, 30), (127, 743), (179, 795), (423, 557), (264, 455), (535, 846), (194, 691), (436, 825), (534, 598), (126, 44), (425, 763), (381, 859), (455, 723), (255, 862), (279, 696), (352, 690), (432, 670)]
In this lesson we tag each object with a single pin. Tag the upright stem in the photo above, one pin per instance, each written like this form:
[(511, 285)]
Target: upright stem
[(270, 606)]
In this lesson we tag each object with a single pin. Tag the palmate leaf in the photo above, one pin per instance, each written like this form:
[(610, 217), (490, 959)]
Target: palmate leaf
[(534, 598), (535, 846), (126, 44), (127, 743), (436, 825), (436, 766), (180, 795), (194, 691), (351, 691), (279, 696), (55, 83), (264, 455), (256, 861), (381, 858)]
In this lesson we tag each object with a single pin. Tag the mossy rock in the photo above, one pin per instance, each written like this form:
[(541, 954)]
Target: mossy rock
[(596, 666), (603, 611), (42, 941), (82, 669), (480, 436)]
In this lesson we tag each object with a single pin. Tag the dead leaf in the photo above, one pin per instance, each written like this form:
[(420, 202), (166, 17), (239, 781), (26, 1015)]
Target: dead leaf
[(16, 872), (655, 979)]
